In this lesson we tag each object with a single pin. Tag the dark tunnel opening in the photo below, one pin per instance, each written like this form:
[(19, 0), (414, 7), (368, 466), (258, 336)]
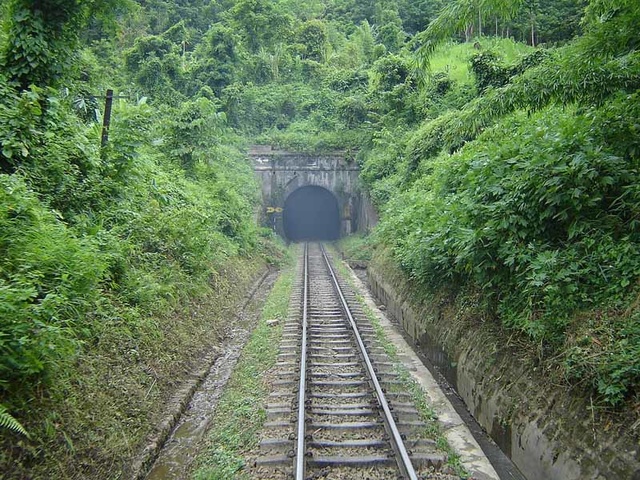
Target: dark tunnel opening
[(311, 213)]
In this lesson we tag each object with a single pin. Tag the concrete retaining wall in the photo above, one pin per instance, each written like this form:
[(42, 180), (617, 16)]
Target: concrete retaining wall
[(549, 432)]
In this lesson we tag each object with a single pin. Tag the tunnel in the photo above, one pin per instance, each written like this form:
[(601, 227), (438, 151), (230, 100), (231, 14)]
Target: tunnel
[(311, 213)]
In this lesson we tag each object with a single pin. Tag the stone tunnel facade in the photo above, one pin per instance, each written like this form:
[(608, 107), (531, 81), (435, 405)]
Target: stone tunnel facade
[(282, 173)]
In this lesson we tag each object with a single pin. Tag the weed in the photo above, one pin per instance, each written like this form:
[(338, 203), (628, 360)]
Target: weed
[(356, 248)]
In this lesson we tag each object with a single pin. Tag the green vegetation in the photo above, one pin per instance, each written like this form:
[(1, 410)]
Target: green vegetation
[(527, 192), (240, 414), (453, 59), (107, 255), (356, 248), (7, 421), (496, 166)]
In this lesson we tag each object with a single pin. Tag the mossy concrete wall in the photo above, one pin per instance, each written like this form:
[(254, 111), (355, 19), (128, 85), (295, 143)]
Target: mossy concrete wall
[(549, 431)]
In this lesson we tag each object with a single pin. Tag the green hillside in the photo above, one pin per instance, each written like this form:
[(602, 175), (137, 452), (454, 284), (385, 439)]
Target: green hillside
[(500, 144)]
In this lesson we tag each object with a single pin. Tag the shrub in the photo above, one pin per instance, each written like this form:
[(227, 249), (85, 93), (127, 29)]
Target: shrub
[(536, 207), (540, 212), (48, 282)]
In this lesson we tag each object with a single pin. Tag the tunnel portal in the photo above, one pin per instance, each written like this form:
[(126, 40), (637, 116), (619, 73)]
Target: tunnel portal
[(311, 213)]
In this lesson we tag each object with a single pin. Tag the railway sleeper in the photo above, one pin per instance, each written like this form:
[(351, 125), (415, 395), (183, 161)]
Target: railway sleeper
[(350, 461), (344, 411), (318, 375)]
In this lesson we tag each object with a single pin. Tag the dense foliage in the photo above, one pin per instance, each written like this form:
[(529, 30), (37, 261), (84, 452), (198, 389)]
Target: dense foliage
[(76, 220), (496, 166), (298, 74), (527, 192), (95, 241)]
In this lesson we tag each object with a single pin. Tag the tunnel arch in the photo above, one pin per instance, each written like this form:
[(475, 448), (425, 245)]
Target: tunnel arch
[(311, 213)]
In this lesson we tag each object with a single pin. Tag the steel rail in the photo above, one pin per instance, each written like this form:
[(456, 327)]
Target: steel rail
[(300, 448), (404, 462)]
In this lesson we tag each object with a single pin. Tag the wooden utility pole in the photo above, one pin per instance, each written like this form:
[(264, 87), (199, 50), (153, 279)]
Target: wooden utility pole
[(106, 120)]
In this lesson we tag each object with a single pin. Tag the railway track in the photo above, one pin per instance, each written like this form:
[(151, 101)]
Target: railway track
[(337, 410)]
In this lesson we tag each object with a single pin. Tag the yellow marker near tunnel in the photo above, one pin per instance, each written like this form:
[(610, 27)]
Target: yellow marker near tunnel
[(274, 210)]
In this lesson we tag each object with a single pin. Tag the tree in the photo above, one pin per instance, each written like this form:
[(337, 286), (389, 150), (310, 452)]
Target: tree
[(217, 59), (154, 61), (197, 15), (417, 14), (390, 32), (551, 21), (352, 12), (313, 35), (365, 40), (42, 35), (262, 24), (194, 128)]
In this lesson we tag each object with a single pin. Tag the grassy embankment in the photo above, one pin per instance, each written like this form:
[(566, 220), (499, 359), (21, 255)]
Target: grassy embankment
[(110, 398), (519, 191), (240, 414)]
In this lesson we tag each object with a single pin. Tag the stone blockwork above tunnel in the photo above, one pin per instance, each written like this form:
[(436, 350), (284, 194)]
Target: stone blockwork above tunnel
[(281, 173)]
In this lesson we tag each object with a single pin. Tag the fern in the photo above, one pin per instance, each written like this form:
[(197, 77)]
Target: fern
[(7, 421)]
